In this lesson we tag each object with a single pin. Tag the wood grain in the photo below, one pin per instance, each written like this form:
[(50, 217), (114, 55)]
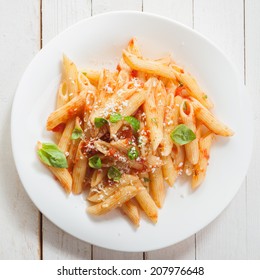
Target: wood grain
[(222, 22), (19, 41), (252, 44), (103, 6), (56, 16), (180, 11)]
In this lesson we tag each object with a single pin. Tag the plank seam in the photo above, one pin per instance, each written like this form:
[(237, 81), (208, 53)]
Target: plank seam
[(40, 214), (246, 181)]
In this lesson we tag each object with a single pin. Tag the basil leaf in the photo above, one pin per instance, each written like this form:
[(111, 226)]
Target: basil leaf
[(184, 106), (182, 135), (114, 174), (133, 153), (146, 180), (115, 117), (99, 122), (133, 122), (52, 156), (95, 162), (76, 133)]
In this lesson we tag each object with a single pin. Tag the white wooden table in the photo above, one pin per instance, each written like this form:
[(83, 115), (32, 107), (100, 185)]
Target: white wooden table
[(26, 26)]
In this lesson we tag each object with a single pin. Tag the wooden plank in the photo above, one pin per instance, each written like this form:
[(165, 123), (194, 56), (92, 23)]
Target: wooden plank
[(19, 42), (252, 24), (103, 6), (180, 11), (222, 22), (56, 16), (97, 8)]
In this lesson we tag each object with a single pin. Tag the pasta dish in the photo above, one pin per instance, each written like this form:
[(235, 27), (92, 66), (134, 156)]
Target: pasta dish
[(124, 136)]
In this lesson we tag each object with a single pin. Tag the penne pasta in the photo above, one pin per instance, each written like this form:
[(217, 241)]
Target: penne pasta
[(170, 173), (193, 88), (200, 168), (148, 66), (119, 197), (188, 118), (152, 117), (131, 211), (67, 111), (64, 177), (70, 74), (157, 189), (79, 171), (65, 139), (147, 204), (209, 120)]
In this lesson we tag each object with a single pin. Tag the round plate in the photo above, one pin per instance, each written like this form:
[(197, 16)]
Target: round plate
[(96, 43)]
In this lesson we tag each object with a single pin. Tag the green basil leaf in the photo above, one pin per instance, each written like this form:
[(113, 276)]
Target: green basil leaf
[(114, 174), (182, 135), (146, 180), (52, 156), (95, 162), (76, 133), (133, 122), (133, 153), (115, 117), (99, 122), (184, 106)]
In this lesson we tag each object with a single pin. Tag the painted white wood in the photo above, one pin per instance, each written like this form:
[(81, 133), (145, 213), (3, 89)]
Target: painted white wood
[(19, 41), (181, 11), (178, 10), (252, 25), (222, 22), (57, 15), (102, 6)]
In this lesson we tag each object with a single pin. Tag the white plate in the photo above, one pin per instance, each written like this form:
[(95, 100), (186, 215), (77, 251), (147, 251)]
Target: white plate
[(98, 42)]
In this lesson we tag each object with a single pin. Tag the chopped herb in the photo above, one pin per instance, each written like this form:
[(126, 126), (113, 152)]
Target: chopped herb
[(52, 156), (95, 162), (182, 135), (146, 180), (184, 106), (205, 96), (133, 153), (115, 117), (133, 122), (99, 122), (114, 174), (77, 133)]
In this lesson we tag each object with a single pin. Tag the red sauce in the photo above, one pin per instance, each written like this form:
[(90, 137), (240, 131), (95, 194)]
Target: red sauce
[(206, 155), (134, 73), (71, 112), (59, 128), (118, 68), (111, 152), (178, 90), (126, 133)]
